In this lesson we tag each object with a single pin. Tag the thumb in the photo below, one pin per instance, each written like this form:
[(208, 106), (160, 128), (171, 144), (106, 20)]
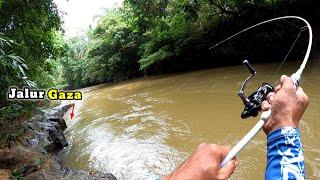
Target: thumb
[(226, 171)]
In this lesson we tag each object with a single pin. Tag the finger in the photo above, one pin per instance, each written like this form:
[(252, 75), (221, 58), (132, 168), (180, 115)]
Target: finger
[(287, 83), (282, 79), (222, 151), (270, 97), (228, 169), (237, 162), (300, 92), (278, 87), (265, 106)]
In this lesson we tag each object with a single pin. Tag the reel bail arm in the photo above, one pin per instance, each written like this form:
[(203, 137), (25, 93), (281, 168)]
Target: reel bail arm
[(241, 94)]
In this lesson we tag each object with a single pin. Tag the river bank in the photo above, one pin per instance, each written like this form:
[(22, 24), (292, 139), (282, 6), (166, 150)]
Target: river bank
[(34, 154)]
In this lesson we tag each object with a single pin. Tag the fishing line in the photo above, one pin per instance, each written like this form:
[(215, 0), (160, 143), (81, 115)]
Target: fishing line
[(303, 28), (285, 58), (292, 24)]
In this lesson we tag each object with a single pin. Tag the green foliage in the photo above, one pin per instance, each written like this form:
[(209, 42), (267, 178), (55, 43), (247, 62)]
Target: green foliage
[(108, 53), (19, 172), (161, 54), (32, 25), (72, 62), (12, 67), (13, 72), (29, 48), (10, 112), (141, 35)]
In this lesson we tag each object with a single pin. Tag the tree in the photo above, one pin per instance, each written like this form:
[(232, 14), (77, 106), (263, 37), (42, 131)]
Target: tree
[(32, 25), (28, 49)]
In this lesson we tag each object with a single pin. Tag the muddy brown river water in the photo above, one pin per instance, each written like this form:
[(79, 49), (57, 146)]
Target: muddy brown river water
[(141, 128)]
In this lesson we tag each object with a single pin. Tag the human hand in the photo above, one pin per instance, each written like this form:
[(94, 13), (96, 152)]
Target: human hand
[(204, 163), (287, 105)]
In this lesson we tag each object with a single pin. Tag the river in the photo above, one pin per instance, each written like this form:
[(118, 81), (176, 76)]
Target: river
[(141, 128)]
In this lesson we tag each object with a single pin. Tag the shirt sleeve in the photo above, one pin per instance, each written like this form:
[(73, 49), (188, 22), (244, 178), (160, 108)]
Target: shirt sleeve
[(285, 155)]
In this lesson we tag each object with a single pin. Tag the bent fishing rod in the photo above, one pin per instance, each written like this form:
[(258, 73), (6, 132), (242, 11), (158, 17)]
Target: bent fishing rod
[(252, 103)]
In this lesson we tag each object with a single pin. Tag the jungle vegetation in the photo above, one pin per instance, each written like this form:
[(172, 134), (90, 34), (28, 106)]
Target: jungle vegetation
[(148, 37)]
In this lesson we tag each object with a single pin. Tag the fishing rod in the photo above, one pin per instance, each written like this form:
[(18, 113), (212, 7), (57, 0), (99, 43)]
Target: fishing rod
[(252, 103)]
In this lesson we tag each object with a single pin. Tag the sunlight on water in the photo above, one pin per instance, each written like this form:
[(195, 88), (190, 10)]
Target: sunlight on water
[(142, 128)]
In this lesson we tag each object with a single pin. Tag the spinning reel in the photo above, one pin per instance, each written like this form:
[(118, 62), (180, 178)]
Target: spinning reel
[(252, 103)]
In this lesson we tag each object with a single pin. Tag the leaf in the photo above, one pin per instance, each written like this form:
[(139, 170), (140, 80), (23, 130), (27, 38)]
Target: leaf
[(22, 70)]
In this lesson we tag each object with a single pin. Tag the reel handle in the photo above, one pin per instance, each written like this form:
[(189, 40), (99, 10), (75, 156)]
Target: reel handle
[(248, 65)]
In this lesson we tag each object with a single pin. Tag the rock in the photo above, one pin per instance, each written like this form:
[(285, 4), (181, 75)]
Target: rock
[(54, 125), (57, 139), (39, 159), (60, 121), (70, 173), (54, 169), (47, 129), (56, 114), (60, 110)]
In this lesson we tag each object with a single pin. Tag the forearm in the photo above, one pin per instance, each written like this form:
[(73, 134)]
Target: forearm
[(285, 155)]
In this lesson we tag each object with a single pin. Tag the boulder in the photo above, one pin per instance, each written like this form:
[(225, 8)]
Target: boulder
[(47, 129), (57, 140), (61, 122)]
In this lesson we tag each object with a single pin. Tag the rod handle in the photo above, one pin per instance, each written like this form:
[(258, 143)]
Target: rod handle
[(247, 138), (296, 78)]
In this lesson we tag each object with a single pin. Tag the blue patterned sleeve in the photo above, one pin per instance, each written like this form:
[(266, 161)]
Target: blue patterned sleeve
[(285, 156)]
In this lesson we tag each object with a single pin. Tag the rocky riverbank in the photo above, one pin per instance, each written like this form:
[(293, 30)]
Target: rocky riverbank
[(34, 154)]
